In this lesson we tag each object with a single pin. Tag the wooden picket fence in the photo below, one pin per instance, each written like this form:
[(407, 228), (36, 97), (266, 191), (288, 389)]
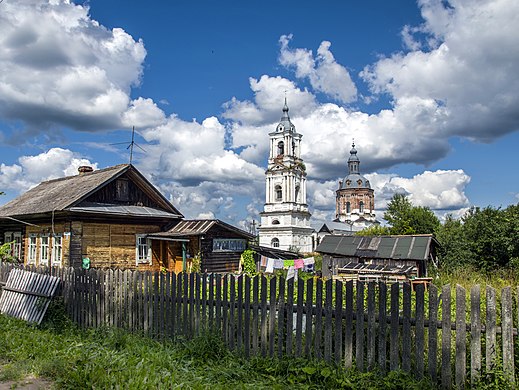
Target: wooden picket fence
[(451, 339)]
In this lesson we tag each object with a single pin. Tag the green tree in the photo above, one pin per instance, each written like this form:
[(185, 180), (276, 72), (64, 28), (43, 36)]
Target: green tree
[(405, 218), (374, 230), (484, 238)]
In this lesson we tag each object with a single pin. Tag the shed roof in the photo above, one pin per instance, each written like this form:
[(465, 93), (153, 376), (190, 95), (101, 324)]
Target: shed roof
[(197, 227), (66, 192), (415, 247)]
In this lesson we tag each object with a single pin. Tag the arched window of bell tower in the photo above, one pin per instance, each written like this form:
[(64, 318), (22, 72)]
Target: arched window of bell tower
[(297, 194), (279, 193), (281, 148), (348, 207), (361, 206)]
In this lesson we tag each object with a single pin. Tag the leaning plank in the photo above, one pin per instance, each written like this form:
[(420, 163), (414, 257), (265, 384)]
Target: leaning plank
[(507, 332), (26, 295)]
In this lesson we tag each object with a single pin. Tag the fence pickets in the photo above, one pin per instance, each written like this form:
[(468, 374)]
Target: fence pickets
[(363, 325)]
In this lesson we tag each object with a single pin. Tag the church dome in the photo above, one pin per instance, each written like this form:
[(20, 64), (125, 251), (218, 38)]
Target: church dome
[(354, 179), (285, 124)]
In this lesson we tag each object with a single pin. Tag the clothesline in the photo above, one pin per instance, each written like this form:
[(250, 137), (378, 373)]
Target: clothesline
[(293, 266)]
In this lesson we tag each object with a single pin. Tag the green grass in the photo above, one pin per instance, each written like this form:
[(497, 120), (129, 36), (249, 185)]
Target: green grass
[(111, 358)]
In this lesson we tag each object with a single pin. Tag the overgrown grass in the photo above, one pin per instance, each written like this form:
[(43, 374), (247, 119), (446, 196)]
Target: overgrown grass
[(112, 358)]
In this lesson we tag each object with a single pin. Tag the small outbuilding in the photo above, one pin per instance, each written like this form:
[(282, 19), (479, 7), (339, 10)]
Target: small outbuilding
[(216, 244), (377, 258)]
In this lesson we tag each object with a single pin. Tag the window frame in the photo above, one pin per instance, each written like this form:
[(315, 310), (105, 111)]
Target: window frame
[(32, 248), (42, 261), (274, 242), (138, 245), (53, 249)]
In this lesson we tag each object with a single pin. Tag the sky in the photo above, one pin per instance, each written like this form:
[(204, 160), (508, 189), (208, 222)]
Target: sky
[(428, 90)]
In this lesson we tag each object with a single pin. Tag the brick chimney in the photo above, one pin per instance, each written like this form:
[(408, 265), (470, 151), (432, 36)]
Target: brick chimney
[(85, 169)]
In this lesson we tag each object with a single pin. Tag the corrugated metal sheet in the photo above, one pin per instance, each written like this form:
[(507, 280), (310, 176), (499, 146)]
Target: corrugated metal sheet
[(382, 247), (197, 227), (136, 211)]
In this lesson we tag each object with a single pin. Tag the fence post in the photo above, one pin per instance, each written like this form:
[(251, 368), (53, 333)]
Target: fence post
[(359, 328), (420, 330), (309, 316), (328, 321), (338, 321), (406, 328), (446, 337), (299, 318), (507, 334), (371, 326), (490, 331), (461, 340), (272, 317), (348, 333), (393, 338), (475, 333)]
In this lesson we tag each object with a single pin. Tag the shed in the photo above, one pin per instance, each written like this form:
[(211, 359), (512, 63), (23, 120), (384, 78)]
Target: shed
[(218, 245), (377, 257)]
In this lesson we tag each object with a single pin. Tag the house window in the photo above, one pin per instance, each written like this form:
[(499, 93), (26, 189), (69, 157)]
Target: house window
[(15, 238), (279, 193), (348, 207), (229, 245), (275, 243), (31, 256), (122, 192), (361, 207), (57, 250), (143, 249), (44, 250)]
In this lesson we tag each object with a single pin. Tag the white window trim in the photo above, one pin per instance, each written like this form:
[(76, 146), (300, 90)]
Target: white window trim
[(30, 259), (146, 260), (42, 261), (52, 240)]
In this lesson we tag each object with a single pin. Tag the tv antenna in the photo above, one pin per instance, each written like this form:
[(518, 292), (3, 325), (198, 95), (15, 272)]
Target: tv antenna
[(131, 145)]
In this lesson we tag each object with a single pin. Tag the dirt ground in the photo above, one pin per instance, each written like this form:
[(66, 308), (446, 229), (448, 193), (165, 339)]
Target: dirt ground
[(28, 383)]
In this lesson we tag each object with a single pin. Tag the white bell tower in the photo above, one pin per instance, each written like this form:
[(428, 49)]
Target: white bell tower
[(285, 221)]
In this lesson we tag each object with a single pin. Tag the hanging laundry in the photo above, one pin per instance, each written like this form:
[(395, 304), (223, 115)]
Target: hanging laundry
[(263, 261), (292, 272), (288, 263), (278, 264), (299, 263), (309, 260), (270, 266)]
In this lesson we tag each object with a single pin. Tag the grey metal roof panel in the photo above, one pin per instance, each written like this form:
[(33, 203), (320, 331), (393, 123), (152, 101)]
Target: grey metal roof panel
[(133, 211)]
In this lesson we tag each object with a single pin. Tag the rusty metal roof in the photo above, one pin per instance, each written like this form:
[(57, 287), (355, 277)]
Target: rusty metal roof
[(415, 247)]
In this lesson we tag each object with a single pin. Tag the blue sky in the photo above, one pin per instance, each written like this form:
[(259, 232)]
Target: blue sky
[(428, 89)]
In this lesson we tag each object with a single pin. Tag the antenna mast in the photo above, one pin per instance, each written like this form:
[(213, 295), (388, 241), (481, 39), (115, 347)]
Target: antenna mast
[(130, 146)]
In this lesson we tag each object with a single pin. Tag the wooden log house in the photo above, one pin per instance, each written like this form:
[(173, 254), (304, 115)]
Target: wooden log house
[(103, 216)]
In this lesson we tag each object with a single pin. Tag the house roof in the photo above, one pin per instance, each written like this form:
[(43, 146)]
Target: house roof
[(415, 247), (198, 227), (331, 226), (66, 192)]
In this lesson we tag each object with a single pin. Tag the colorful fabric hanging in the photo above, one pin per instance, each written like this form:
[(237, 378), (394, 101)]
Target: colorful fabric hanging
[(270, 266), (263, 261), (299, 263), (288, 263), (278, 264), (309, 260), (292, 272)]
